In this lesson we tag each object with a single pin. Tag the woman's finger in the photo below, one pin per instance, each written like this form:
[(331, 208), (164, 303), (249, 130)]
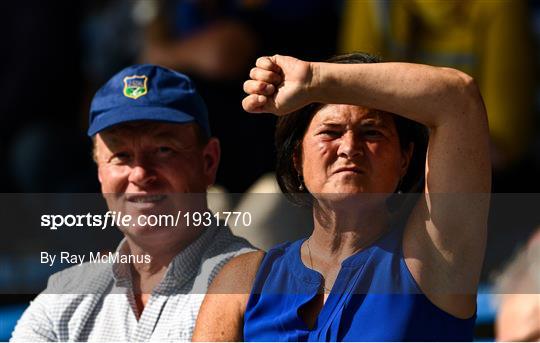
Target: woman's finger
[(265, 76), (267, 64), (258, 87), (254, 103)]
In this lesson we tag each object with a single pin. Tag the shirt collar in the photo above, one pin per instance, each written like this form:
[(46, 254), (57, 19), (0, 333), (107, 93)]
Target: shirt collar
[(183, 267)]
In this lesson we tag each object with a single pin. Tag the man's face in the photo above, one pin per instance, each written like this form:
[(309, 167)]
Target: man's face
[(144, 166)]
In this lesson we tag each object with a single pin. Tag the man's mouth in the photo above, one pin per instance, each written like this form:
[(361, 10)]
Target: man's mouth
[(145, 199)]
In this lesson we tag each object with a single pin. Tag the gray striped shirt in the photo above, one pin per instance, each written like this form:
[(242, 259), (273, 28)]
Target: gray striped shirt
[(94, 302)]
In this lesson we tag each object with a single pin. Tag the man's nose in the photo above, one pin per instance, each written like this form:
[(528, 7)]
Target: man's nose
[(350, 145), (142, 174)]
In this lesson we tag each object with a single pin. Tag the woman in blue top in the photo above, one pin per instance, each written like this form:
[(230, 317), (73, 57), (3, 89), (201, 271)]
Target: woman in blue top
[(347, 139)]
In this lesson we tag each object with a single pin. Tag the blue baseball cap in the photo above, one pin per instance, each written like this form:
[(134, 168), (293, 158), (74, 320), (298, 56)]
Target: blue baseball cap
[(147, 92)]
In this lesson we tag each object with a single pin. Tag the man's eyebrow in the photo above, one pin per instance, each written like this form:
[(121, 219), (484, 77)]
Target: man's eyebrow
[(162, 134), (112, 141), (167, 136)]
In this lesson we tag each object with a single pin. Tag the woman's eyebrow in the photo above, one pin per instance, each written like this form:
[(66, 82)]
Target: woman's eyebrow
[(331, 124), (372, 122)]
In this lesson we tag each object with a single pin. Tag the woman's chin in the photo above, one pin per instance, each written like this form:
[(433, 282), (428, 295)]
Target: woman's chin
[(346, 190), (353, 197)]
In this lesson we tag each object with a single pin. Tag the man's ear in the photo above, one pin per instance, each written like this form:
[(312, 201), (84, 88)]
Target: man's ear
[(211, 157), (406, 156), (95, 154), (99, 175)]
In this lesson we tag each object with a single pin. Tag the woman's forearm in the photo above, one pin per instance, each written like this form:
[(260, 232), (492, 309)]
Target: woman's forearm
[(426, 94)]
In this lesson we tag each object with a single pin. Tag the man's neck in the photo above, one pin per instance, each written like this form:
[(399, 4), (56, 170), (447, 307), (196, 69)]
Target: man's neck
[(147, 274), (160, 253)]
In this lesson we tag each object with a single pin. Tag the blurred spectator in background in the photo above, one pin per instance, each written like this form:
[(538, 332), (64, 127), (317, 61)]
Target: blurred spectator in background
[(490, 40), (42, 144), (112, 37), (207, 38), (518, 318), (217, 41), (214, 43)]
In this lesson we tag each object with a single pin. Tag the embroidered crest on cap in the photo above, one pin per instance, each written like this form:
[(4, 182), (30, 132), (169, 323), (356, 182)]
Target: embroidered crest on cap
[(135, 86)]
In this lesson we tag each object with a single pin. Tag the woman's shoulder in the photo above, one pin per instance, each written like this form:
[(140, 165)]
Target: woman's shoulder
[(238, 274), (227, 299), (284, 248)]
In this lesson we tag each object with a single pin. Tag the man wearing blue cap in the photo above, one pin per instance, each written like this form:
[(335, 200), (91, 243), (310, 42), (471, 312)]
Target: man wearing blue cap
[(155, 155)]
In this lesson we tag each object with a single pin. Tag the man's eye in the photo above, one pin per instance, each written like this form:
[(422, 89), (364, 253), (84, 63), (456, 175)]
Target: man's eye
[(120, 157), (164, 150)]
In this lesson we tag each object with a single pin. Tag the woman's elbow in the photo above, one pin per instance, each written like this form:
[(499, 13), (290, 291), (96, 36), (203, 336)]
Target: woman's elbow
[(465, 98), (470, 97)]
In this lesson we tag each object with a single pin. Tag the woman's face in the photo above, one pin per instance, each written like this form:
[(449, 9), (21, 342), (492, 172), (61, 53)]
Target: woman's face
[(350, 149)]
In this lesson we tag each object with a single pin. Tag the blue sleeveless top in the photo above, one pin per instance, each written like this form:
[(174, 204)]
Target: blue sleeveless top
[(374, 298)]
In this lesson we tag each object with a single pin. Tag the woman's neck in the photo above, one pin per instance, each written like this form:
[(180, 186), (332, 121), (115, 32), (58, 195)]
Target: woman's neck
[(339, 232)]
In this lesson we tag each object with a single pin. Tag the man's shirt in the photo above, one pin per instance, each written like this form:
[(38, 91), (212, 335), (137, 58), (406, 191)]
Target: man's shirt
[(95, 302)]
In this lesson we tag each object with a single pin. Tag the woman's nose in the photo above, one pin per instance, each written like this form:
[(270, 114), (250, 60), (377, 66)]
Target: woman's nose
[(350, 145)]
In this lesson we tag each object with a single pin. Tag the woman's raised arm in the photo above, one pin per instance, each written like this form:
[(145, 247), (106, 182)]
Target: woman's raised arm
[(445, 237)]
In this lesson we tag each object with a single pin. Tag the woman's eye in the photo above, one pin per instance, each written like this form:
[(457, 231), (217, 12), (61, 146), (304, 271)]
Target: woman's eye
[(373, 133), (329, 133)]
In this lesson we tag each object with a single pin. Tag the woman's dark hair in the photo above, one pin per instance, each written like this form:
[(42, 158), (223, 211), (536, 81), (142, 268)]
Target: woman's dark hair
[(291, 128)]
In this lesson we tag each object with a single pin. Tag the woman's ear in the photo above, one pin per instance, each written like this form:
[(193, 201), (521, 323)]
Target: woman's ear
[(406, 156), (297, 160)]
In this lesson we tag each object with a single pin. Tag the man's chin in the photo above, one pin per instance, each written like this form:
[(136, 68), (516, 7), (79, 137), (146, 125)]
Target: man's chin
[(154, 234), (147, 229), (148, 208), (144, 207)]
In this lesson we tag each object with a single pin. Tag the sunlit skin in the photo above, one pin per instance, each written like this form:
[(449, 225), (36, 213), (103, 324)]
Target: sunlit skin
[(351, 161), (518, 318), (350, 149), (148, 168), (442, 245)]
